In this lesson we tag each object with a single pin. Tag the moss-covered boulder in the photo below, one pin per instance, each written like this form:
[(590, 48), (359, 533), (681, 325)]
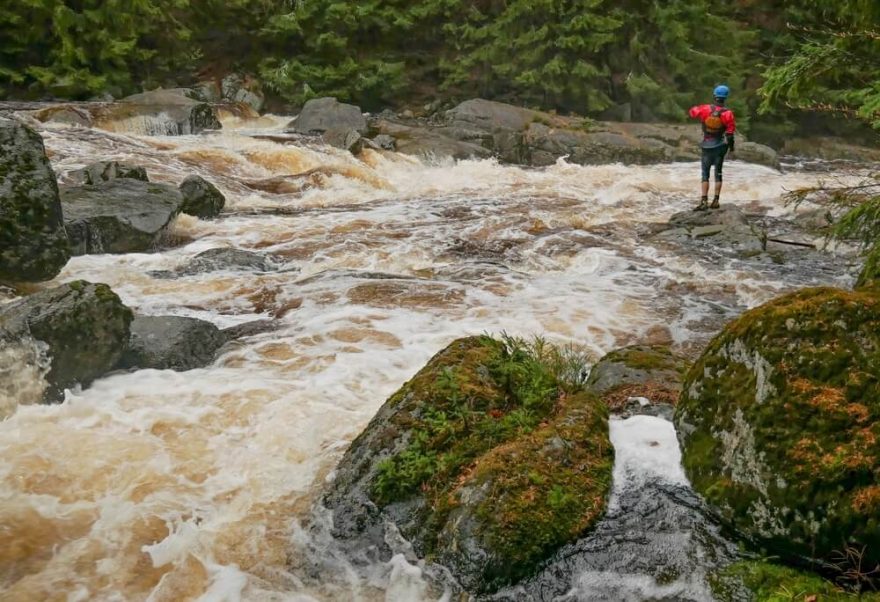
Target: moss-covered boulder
[(201, 198), (33, 244), (779, 423), (870, 274), (486, 461), (82, 327), (651, 372), (763, 581)]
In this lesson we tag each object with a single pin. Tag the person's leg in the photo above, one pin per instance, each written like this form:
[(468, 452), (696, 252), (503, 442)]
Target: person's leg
[(719, 177), (705, 165)]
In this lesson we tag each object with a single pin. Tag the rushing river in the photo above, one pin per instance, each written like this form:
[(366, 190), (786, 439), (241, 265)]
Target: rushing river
[(167, 486)]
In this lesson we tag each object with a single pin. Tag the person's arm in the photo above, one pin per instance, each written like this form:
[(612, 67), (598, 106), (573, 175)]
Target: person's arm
[(696, 112), (731, 131)]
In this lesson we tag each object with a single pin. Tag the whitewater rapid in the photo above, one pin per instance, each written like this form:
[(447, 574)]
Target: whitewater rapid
[(158, 485)]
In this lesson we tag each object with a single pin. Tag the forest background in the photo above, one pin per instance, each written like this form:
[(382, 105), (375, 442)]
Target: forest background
[(791, 64)]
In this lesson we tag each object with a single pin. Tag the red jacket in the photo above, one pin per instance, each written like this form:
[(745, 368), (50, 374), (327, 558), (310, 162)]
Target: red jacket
[(701, 112)]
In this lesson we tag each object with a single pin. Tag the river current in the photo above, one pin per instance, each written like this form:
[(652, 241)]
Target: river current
[(166, 486)]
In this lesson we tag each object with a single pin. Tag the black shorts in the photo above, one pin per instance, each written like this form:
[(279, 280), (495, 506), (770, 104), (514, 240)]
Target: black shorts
[(714, 157)]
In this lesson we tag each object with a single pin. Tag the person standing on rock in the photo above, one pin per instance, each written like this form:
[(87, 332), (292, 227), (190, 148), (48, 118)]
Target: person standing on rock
[(719, 128)]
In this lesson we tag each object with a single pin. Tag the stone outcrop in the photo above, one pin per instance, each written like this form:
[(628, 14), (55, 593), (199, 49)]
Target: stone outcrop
[(118, 216), (201, 198), (33, 243), (479, 128), (779, 422), (158, 113), (82, 328), (481, 462), (104, 171)]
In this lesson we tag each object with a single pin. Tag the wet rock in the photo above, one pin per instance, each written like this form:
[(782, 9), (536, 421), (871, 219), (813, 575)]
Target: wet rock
[(118, 216), (215, 260), (480, 462), (201, 198), (652, 373), (488, 115), (321, 115), (250, 329), (103, 171), (428, 144), (158, 113), (752, 152), (83, 328), (68, 114), (245, 89), (778, 420), (171, 343), (831, 149), (727, 215), (349, 140), (33, 244), (384, 142)]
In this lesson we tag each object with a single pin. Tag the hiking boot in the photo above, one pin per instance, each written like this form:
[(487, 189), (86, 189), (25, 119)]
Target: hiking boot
[(703, 206), (715, 204)]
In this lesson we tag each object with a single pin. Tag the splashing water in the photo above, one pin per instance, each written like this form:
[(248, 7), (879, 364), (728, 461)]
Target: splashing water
[(161, 486)]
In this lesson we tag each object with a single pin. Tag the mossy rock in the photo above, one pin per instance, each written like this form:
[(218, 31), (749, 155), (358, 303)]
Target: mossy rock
[(763, 581), (33, 243), (654, 372), (779, 423), (484, 461), (84, 327), (870, 275)]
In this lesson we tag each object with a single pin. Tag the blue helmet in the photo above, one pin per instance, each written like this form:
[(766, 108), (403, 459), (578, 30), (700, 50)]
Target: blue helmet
[(722, 92)]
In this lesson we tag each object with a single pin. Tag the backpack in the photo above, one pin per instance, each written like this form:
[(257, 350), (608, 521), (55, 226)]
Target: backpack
[(713, 126)]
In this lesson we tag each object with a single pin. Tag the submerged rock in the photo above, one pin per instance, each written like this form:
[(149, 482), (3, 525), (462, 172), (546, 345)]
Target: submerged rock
[(103, 171), (33, 244), (84, 328), (779, 421), (321, 115), (118, 216), (171, 343), (224, 259), (481, 461), (201, 198)]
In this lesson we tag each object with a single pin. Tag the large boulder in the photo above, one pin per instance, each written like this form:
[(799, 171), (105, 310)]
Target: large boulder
[(104, 171), (482, 461), (171, 343), (158, 113), (491, 116), (33, 243), (779, 423), (82, 327), (118, 216), (321, 115), (201, 198)]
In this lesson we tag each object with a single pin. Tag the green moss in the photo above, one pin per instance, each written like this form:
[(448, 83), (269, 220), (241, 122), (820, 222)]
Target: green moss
[(645, 358), (505, 419), (484, 394), (544, 489), (769, 582), (781, 423)]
